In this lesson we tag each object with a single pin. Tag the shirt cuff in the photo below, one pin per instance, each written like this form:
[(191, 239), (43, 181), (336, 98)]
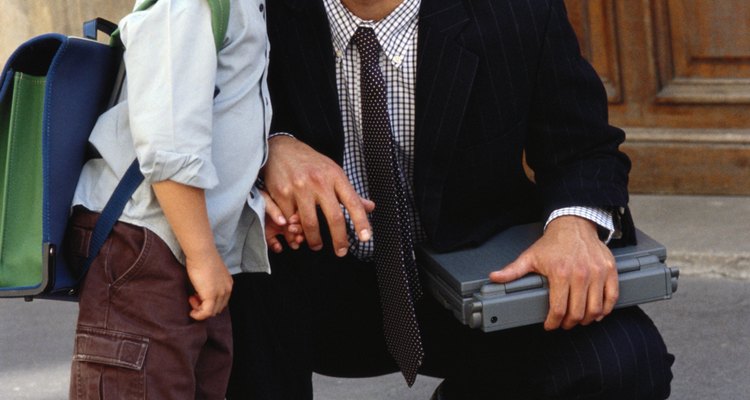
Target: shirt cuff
[(273, 135), (601, 217), (188, 169)]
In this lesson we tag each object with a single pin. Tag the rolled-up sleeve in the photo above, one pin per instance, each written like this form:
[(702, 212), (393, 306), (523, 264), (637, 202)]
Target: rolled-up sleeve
[(171, 60)]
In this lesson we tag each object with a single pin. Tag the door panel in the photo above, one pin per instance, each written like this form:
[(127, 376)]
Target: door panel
[(704, 55), (677, 73)]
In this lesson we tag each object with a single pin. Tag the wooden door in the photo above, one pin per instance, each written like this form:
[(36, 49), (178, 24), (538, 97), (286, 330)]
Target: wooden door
[(677, 74)]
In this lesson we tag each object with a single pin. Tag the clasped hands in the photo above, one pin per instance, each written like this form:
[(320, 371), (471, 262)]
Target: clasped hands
[(580, 269)]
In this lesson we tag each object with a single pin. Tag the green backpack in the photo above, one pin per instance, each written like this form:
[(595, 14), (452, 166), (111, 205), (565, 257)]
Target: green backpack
[(52, 90)]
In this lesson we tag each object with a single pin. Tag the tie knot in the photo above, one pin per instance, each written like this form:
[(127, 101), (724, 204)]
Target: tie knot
[(367, 44)]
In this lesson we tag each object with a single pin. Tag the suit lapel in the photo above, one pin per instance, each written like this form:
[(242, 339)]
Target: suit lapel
[(445, 73)]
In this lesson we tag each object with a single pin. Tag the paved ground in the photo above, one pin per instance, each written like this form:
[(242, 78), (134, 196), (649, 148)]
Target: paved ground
[(706, 325)]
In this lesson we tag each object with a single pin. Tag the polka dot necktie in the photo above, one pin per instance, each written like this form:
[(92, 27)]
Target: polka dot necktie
[(394, 250)]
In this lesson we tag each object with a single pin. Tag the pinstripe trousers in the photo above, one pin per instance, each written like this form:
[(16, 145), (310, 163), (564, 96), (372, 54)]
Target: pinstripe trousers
[(320, 313)]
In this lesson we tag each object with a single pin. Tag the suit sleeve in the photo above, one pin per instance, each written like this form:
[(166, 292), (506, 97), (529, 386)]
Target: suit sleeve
[(571, 147)]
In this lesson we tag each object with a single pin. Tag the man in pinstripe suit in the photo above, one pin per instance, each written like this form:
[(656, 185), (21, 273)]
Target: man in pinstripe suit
[(472, 85)]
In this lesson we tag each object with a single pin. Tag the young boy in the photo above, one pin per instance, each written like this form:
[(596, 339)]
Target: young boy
[(152, 321)]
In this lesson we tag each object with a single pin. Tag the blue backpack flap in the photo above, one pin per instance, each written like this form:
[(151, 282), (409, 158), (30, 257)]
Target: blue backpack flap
[(75, 77)]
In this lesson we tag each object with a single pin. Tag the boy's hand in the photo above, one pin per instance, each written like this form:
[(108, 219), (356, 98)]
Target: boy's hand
[(212, 283), (277, 225), (185, 209)]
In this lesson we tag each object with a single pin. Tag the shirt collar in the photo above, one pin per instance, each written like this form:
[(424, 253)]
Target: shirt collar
[(394, 32)]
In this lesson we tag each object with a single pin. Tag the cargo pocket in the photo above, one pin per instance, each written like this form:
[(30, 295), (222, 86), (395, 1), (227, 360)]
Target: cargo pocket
[(108, 365)]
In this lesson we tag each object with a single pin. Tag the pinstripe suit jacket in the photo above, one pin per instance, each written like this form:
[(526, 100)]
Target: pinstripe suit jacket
[(495, 78)]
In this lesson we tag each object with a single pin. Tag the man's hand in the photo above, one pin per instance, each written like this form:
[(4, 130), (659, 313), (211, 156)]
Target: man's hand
[(298, 178), (580, 269)]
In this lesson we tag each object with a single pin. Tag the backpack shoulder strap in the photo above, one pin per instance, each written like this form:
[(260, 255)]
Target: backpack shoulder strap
[(219, 21)]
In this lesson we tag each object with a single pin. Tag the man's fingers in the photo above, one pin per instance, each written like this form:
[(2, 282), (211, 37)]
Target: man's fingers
[(336, 225), (611, 292), (310, 226), (357, 208), (515, 270), (586, 293), (368, 204), (558, 305), (595, 303)]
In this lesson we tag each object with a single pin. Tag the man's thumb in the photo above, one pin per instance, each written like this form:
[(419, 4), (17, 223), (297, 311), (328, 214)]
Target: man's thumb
[(515, 270)]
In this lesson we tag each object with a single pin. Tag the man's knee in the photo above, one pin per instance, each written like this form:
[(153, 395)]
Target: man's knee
[(623, 357)]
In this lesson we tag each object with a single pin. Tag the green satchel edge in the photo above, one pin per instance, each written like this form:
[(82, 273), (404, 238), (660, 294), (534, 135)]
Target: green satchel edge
[(21, 195)]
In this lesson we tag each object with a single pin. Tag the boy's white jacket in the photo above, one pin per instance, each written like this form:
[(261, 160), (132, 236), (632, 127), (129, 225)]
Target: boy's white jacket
[(168, 118)]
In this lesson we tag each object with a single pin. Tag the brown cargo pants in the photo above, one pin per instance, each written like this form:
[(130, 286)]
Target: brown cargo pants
[(134, 338)]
